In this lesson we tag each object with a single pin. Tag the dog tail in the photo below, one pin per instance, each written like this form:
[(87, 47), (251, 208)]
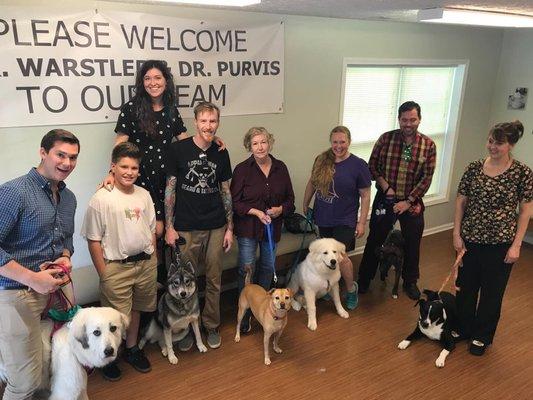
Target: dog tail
[(247, 278)]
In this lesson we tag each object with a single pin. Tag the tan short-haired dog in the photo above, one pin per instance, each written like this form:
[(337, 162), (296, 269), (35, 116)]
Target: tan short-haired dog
[(269, 308)]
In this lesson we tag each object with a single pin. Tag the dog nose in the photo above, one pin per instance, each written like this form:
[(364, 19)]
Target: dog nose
[(424, 324), (282, 306), (333, 262), (109, 351), (183, 294)]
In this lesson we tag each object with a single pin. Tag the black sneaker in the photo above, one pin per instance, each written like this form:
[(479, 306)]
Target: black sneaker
[(412, 290), (136, 358), (477, 348), (111, 372)]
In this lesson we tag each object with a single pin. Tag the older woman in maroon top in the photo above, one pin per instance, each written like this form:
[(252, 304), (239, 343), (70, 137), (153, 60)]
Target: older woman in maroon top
[(262, 193)]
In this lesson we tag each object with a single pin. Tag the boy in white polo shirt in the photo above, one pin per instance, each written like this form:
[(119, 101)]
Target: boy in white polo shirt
[(120, 230)]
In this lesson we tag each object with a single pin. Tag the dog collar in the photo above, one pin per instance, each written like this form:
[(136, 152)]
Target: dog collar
[(275, 317), (88, 370)]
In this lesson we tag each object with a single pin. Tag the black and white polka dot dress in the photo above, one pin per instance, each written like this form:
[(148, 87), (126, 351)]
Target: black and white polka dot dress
[(152, 174)]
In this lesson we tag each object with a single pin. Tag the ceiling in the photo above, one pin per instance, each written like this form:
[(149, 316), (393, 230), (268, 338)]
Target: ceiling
[(393, 10)]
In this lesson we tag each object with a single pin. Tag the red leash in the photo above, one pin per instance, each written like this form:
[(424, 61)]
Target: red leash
[(454, 271), (59, 298)]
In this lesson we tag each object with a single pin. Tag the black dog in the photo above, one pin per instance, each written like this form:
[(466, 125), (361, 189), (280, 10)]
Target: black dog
[(391, 255), (436, 321)]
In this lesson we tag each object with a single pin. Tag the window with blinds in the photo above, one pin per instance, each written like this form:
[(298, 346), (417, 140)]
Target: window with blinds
[(373, 93)]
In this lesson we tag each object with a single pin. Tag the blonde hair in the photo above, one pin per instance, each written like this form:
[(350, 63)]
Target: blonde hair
[(256, 131), (324, 166)]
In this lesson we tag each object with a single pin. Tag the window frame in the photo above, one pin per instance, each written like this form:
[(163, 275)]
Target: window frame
[(456, 102)]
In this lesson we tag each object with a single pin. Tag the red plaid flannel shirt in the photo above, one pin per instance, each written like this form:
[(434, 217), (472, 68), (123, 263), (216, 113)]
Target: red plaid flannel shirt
[(407, 178)]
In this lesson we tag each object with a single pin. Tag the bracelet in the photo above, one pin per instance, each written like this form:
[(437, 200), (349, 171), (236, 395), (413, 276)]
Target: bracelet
[(66, 256)]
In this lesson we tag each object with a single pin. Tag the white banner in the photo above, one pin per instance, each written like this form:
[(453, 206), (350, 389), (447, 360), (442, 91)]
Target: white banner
[(58, 67)]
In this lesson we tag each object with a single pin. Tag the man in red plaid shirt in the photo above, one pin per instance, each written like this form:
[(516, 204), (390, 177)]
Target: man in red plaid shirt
[(402, 164)]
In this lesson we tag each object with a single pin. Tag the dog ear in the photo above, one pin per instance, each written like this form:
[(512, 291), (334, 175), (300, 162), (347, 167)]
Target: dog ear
[(341, 248), (124, 323), (291, 293), (189, 267), (78, 329), (420, 302), (431, 295), (313, 247), (271, 291)]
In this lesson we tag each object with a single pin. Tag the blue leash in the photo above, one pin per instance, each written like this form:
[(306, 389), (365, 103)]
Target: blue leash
[(270, 234)]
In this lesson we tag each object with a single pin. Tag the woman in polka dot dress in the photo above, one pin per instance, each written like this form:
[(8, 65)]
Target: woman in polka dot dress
[(152, 121)]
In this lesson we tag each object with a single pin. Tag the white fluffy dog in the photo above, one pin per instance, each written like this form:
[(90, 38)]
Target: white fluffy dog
[(90, 340), (317, 275)]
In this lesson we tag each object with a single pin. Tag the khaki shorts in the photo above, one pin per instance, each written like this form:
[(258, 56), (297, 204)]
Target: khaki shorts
[(130, 286)]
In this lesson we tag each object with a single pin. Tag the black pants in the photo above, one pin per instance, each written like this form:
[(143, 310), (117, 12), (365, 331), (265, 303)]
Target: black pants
[(380, 226), (483, 276)]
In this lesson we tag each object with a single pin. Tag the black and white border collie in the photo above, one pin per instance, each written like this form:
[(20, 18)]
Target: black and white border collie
[(436, 321)]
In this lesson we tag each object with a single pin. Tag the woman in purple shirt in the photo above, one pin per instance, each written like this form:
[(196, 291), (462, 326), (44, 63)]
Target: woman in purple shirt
[(339, 179), (261, 191)]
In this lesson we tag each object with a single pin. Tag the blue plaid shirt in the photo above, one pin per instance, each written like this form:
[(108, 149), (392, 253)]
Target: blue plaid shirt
[(33, 229)]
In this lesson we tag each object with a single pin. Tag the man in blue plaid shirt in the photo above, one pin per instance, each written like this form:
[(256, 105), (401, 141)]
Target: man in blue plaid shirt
[(36, 228)]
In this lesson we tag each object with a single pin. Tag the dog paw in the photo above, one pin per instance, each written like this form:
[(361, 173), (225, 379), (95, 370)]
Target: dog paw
[(439, 363), (237, 338), (404, 344), (312, 325), (296, 306), (164, 352), (201, 347), (267, 361), (344, 314), (141, 344), (172, 359), (278, 350), (394, 296)]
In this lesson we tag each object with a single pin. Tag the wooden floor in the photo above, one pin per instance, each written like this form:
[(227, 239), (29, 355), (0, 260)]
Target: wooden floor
[(355, 358), (351, 359)]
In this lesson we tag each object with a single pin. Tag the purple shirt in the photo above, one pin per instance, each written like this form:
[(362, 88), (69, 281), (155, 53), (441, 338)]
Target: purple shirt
[(341, 204), (250, 188)]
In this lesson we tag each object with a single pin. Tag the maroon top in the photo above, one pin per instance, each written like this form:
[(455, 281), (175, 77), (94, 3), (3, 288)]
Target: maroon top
[(250, 188)]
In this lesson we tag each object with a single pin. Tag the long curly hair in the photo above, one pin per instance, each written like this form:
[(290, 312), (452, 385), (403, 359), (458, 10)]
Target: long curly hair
[(142, 102), (324, 166)]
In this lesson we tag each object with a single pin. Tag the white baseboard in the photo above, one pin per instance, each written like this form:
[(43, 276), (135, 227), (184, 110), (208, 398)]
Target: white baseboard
[(427, 232)]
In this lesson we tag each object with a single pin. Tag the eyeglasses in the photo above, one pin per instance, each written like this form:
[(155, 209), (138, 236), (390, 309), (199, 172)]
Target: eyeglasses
[(407, 152)]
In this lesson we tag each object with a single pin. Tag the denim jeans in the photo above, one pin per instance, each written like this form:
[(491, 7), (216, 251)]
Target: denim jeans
[(264, 269)]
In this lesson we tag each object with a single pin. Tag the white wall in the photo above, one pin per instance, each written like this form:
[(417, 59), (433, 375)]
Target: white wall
[(314, 50), (516, 70)]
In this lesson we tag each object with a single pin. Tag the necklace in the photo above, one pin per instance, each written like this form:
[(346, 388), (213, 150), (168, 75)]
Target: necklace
[(407, 152)]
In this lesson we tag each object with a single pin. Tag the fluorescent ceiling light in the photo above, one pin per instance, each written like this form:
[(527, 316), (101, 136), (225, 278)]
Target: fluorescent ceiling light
[(231, 3), (473, 17)]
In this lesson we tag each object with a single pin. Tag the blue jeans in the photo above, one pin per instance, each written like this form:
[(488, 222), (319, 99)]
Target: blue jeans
[(264, 268)]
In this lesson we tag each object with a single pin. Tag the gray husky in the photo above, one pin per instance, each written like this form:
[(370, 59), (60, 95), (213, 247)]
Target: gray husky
[(178, 308)]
